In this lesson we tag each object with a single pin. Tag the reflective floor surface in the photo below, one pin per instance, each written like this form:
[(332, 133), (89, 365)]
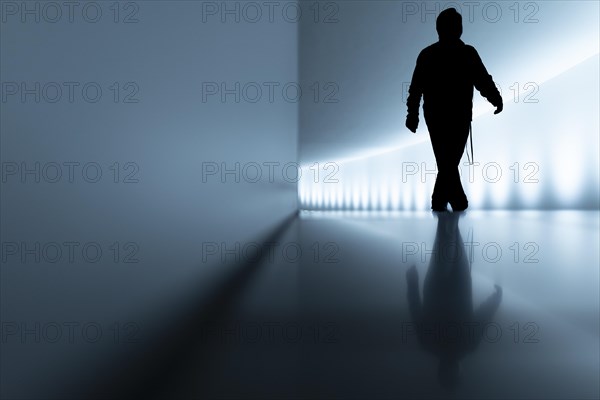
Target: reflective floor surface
[(482, 305)]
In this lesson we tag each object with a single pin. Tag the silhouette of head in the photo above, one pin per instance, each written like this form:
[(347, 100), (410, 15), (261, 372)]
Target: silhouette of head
[(449, 24)]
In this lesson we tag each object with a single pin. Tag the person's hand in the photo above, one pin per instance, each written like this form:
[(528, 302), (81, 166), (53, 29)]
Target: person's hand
[(499, 109), (412, 276), (498, 290), (412, 122)]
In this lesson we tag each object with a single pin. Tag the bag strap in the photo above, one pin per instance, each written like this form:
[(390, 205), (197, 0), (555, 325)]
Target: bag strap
[(471, 158)]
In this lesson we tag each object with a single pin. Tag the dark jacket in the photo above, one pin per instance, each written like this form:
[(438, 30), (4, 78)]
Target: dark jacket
[(445, 75)]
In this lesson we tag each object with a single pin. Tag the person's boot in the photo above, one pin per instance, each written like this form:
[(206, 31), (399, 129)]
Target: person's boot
[(439, 207), (459, 205)]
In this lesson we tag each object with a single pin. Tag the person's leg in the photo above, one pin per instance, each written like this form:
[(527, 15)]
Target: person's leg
[(456, 194), (441, 195)]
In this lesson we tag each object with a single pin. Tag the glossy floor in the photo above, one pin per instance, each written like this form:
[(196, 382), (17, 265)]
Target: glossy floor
[(479, 304)]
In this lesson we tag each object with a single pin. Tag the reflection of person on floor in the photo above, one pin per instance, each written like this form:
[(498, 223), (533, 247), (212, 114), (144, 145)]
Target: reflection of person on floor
[(445, 75), (445, 322)]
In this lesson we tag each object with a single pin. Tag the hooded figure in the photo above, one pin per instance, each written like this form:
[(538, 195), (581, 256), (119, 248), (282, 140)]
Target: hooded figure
[(445, 75)]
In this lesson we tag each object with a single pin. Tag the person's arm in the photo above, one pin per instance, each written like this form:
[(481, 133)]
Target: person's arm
[(487, 309), (415, 92), (483, 316), (485, 84)]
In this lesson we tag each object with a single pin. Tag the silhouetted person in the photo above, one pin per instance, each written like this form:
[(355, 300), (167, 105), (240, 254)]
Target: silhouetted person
[(445, 322), (445, 75)]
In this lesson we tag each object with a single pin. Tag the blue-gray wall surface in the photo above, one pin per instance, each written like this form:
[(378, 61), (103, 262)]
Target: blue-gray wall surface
[(159, 135)]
